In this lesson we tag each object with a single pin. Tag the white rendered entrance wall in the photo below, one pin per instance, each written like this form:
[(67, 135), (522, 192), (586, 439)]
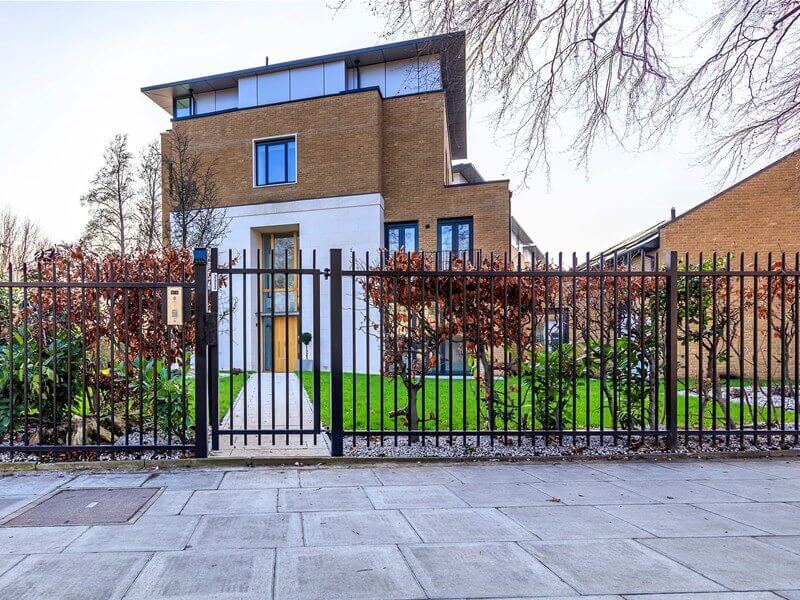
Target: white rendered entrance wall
[(352, 223)]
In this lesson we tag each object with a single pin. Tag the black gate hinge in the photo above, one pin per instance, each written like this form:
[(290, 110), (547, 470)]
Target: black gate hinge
[(326, 273)]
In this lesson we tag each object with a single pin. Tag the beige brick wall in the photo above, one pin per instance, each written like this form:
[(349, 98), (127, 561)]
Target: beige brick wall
[(762, 214), (351, 144), (416, 169)]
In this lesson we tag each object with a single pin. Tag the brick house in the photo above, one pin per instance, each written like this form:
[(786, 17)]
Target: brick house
[(760, 213), (353, 150)]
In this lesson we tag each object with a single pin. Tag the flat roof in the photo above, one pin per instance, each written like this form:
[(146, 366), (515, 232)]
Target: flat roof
[(449, 46)]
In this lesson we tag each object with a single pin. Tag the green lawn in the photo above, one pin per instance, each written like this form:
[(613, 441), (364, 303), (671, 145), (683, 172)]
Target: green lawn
[(464, 404)]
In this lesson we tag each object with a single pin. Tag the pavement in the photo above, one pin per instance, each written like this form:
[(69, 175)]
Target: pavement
[(667, 530)]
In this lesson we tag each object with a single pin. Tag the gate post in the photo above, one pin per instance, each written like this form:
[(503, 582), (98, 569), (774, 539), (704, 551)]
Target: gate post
[(200, 347), (671, 340), (337, 396), (212, 336)]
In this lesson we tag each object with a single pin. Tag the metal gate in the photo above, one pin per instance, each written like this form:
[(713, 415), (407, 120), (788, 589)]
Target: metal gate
[(263, 339)]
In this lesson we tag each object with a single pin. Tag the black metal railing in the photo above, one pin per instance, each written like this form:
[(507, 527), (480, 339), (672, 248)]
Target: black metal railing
[(693, 350), (88, 362)]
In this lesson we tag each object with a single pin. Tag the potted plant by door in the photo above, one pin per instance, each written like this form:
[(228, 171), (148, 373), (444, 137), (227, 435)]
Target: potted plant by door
[(307, 365)]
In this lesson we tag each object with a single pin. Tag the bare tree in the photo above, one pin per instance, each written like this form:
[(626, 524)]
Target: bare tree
[(196, 220), (147, 205), (110, 200), (20, 239), (576, 70)]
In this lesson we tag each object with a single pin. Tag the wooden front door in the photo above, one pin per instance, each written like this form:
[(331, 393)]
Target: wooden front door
[(284, 346)]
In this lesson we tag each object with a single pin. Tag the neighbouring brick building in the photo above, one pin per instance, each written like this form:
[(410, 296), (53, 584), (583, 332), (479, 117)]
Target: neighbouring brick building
[(760, 213), (353, 150)]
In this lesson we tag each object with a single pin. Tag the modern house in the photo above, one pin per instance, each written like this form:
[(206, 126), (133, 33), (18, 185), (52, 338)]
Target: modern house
[(356, 150), (760, 213)]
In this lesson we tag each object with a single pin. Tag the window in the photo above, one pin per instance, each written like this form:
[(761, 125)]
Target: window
[(280, 252), (401, 236), (276, 161), (455, 239), (184, 107)]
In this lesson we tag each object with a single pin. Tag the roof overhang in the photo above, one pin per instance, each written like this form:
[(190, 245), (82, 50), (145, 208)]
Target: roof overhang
[(449, 46)]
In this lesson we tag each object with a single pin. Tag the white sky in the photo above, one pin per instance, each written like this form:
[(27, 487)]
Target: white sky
[(70, 76)]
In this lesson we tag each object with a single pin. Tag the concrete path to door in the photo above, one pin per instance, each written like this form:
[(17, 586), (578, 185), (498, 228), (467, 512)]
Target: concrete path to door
[(700, 530), (299, 410)]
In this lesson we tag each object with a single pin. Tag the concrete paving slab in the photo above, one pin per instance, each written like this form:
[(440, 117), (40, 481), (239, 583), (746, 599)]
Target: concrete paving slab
[(483, 474), (500, 494), (231, 502), (213, 574), (72, 576), (343, 572), (37, 540), (772, 517), (760, 490), (247, 531), (169, 502), (413, 496), (738, 563), (616, 566), (560, 472), (598, 492), (636, 470), (341, 477), (685, 492), (775, 467), (259, 478), (787, 542), (465, 525), (708, 596), (108, 480), (480, 570), (572, 523), (23, 485), (325, 499), (712, 469), (186, 480), (414, 475), (789, 594), (9, 560), (148, 534), (352, 528), (10, 504), (679, 520)]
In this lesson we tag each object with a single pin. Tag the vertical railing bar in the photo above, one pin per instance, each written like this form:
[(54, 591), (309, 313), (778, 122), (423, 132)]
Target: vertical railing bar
[(728, 349), (286, 291), (573, 340), (713, 354), (505, 348), (687, 285), (167, 361), (701, 317), (261, 340), (126, 320), (601, 334), (11, 358), (756, 409), (381, 343), (213, 356), (546, 422), (317, 344), (336, 395), (201, 347), (368, 379), (25, 376), (272, 331), (140, 358), (642, 318), (230, 351), (796, 325), (615, 392), (245, 395), (671, 342), (423, 348), (353, 324), (742, 321), (560, 347), (768, 330), (783, 347), (519, 347)]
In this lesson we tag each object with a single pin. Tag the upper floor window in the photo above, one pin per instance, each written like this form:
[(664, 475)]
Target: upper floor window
[(275, 161), (455, 239), (401, 236), (184, 107)]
